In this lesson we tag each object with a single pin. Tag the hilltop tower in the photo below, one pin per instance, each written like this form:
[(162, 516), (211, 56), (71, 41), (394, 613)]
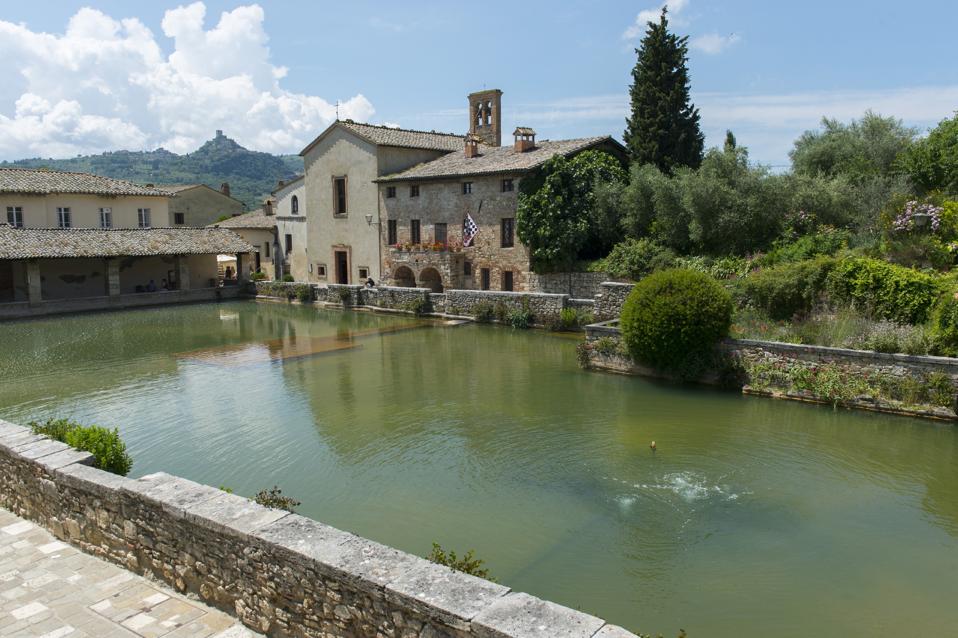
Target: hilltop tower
[(485, 116)]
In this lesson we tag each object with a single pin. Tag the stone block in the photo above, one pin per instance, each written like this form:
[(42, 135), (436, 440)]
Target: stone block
[(38, 449), (524, 616), (174, 494), (232, 514), (7, 428), (14, 440), (303, 536), (65, 457), (439, 592), (91, 480)]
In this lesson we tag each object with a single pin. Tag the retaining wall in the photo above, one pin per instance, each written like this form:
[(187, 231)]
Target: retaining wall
[(544, 307), (574, 284), (280, 573), (393, 297), (610, 298), (24, 309), (921, 386)]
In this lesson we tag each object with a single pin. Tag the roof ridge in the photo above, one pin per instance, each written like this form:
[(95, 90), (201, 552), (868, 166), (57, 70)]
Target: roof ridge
[(399, 128)]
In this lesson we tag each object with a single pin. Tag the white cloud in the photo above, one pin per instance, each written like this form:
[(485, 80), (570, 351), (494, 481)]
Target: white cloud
[(105, 84), (638, 28), (713, 43)]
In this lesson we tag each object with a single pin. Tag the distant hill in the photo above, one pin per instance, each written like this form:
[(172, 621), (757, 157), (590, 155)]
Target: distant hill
[(250, 174)]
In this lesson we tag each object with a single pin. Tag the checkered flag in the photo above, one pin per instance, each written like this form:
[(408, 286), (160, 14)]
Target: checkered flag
[(469, 230)]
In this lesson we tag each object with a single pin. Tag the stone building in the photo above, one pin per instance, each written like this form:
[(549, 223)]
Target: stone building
[(198, 205), (426, 207), (257, 227), (342, 199), (47, 270), (289, 207), (39, 198)]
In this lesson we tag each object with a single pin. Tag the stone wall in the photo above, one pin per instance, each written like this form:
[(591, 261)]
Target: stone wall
[(394, 298), (544, 307), (580, 285), (610, 298), (894, 383), (280, 573)]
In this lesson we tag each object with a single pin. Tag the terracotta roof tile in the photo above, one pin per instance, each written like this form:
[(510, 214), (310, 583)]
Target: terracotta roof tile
[(30, 243), (253, 219), (44, 182)]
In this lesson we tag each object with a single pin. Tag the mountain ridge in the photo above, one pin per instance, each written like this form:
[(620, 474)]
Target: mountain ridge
[(252, 175)]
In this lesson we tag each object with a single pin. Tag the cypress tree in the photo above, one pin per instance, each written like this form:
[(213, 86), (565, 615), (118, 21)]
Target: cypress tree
[(664, 126)]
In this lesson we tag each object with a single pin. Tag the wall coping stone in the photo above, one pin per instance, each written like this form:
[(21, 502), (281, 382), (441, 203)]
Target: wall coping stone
[(103, 484), (617, 284), (64, 458), (614, 631), (519, 615), (509, 293), (172, 493), (38, 449), (227, 513)]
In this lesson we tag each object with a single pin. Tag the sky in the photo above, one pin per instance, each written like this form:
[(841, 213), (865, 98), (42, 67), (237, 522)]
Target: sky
[(88, 77)]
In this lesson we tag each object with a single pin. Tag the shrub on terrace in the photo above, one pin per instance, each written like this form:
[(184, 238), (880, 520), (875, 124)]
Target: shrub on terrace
[(944, 325), (673, 318), (634, 259), (885, 290), (790, 288), (288, 278), (106, 446)]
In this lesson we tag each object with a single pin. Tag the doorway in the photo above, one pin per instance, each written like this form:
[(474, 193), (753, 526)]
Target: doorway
[(342, 266), (6, 281)]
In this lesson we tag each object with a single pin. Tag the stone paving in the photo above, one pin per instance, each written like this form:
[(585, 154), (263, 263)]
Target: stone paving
[(49, 589)]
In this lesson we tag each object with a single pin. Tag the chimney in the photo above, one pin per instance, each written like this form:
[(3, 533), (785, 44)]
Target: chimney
[(485, 116), (525, 139), (225, 188), (280, 184), (268, 206), (472, 145)]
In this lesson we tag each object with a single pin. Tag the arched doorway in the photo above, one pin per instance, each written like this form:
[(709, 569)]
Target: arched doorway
[(403, 277), (430, 278)]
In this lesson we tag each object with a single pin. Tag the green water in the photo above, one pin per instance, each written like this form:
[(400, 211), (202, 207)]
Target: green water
[(755, 517)]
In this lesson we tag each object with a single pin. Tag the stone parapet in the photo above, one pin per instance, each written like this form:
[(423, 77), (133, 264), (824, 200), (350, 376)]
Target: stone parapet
[(610, 299), (24, 309), (575, 284), (544, 307), (279, 573)]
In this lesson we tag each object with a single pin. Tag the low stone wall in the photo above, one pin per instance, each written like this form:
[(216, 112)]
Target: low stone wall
[(280, 573), (24, 309), (895, 383), (393, 297), (544, 307), (610, 298), (574, 284), (284, 290)]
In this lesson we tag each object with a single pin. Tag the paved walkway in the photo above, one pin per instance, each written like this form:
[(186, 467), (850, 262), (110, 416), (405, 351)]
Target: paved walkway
[(49, 589)]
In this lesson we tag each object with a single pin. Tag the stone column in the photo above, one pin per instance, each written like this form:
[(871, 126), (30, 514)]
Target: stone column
[(241, 275), (113, 277), (34, 285), (182, 266)]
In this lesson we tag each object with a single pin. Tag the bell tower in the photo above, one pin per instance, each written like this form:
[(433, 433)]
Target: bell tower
[(485, 116)]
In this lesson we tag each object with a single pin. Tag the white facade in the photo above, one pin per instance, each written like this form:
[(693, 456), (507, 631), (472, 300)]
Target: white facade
[(290, 209)]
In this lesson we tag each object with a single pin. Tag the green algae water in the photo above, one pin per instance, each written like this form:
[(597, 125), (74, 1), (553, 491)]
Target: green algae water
[(754, 518)]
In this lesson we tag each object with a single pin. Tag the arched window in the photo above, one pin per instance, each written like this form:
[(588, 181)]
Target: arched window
[(295, 204)]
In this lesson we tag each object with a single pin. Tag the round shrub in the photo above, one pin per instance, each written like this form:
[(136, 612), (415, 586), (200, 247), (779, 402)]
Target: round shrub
[(673, 318), (944, 324)]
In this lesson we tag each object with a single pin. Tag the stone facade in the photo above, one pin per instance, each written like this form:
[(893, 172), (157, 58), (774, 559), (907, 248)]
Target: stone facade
[(445, 202), (610, 298), (280, 573)]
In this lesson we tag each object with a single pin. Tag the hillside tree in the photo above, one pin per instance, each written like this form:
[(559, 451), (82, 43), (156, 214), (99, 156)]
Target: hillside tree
[(663, 127)]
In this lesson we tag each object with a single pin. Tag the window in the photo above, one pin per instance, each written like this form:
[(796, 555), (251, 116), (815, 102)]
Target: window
[(508, 186), (339, 195), (266, 245), (15, 216), (414, 190), (508, 234), (440, 234), (106, 218), (143, 215), (390, 192), (294, 205), (466, 188), (364, 273), (507, 280), (484, 277), (179, 218), (320, 270), (392, 234), (414, 235), (64, 218), (467, 268), (289, 243)]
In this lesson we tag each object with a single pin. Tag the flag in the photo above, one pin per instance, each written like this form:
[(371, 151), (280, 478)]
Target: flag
[(469, 230)]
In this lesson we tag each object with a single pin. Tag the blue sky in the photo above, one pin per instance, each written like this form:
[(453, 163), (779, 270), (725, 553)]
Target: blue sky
[(767, 70)]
